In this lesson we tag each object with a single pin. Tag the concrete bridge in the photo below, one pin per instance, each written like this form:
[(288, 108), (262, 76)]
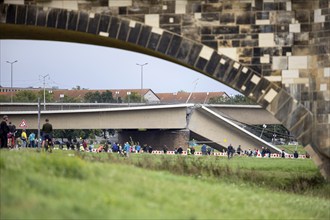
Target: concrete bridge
[(276, 52), (173, 125), (248, 114)]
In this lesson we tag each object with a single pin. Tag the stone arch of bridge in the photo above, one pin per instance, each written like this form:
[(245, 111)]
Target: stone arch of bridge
[(31, 22)]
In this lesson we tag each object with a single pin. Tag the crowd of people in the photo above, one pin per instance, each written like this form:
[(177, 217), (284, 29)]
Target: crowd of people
[(8, 140), (8, 135)]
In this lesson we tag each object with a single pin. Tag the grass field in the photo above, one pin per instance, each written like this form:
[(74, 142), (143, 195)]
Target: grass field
[(73, 185)]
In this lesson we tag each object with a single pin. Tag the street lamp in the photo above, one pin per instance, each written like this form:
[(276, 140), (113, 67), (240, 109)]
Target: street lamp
[(142, 65), (128, 97), (44, 76), (117, 94), (263, 128), (11, 81)]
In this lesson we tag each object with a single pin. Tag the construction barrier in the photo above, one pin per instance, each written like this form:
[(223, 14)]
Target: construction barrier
[(217, 154)]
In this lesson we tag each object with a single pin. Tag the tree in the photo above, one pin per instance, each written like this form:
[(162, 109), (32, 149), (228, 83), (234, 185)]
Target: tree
[(4, 98), (48, 96), (68, 99), (72, 134), (107, 97), (235, 100), (76, 88), (133, 97), (26, 96), (104, 97)]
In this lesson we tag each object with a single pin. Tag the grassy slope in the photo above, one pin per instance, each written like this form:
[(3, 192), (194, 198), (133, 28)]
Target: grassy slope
[(61, 185)]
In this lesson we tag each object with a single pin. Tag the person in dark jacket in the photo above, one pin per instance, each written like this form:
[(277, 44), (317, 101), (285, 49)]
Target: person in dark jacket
[(230, 151), (4, 130), (180, 150), (295, 154)]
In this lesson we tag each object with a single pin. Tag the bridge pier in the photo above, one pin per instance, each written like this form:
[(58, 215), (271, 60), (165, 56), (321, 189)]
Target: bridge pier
[(157, 138)]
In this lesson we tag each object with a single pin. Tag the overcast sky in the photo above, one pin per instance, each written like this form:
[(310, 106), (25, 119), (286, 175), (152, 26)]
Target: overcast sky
[(95, 67)]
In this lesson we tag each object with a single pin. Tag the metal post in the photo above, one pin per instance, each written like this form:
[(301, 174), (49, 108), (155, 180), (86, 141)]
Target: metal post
[(195, 82), (141, 65), (11, 79), (263, 128), (128, 97), (38, 124), (44, 90), (117, 94)]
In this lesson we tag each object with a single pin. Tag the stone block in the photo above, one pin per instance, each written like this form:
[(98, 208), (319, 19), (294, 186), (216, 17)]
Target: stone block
[(83, 21), (274, 78), (227, 18), (72, 20), (279, 63), (201, 63), (194, 54), (121, 3), (245, 18), (318, 17), (278, 101), (290, 74), (262, 22), (104, 23), (169, 19), (144, 36), (298, 62), (114, 27), (21, 14), (174, 46), (152, 20), (184, 50), (213, 63), (327, 72), (134, 32), (153, 40), (70, 5), (266, 40), (15, 2), (265, 59), (294, 28), (206, 52), (260, 89), (164, 42), (224, 66), (323, 87), (225, 30), (286, 109), (180, 6), (31, 16), (229, 52)]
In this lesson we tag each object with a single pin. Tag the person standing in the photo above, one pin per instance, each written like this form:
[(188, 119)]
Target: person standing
[(230, 150), (295, 154), (32, 138), (127, 149), (47, 130), (239, 149), (24, 138), (203, 149), (11, 135), (4, 130)]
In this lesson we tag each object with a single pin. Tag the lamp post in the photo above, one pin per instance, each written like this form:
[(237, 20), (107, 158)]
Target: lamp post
[(11, 79), (117, 94), (128, 97), (44, 90), (263, 128), (142, 65)]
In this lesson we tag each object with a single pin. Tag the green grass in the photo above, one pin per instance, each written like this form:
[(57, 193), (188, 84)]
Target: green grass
[(69, 185)]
